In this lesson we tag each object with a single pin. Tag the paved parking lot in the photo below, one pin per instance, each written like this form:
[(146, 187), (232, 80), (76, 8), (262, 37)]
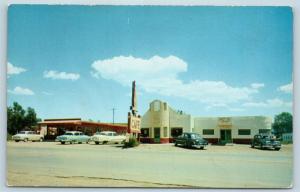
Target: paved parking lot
[(149, 165)]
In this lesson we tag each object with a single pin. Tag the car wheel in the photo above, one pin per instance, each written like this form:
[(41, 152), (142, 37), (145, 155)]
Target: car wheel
[(71, 142), (261, 146), (79, 142), (252, 146), (202, 148), (97, 142), (176, 144), (62, 142), (105, 142), (26, 140), (16, 140), (41, 139), (277, 149)]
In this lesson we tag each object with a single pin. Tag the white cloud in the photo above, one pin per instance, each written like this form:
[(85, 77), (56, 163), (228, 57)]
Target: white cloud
[(257, 85), (61, 75), (13, 70), (269, 103), (160, 75), (288, 88), (21, 91)]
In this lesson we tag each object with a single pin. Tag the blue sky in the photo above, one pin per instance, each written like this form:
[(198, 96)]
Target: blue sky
[(79, 61)]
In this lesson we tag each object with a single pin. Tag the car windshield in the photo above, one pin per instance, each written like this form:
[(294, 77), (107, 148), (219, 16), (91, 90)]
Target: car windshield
[(195, 136), (268, 137), (22, 132), (68, 133)]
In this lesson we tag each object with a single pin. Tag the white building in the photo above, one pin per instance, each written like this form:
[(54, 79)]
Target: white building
[(161, 124)]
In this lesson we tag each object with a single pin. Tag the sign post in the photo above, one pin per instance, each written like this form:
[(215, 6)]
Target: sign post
[(134, 120)]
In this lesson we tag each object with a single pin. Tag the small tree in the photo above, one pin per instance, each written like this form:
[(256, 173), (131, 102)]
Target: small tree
[(18, 118), (283, 123)]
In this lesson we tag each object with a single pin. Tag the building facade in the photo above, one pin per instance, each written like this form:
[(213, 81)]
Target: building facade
[(51, 128), (161, 124)]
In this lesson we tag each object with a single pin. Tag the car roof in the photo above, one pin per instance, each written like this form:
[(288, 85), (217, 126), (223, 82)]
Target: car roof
[(107, 132), (73, 132)]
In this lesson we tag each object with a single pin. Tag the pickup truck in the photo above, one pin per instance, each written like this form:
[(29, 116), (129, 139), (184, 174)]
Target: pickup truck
[(108, 137)]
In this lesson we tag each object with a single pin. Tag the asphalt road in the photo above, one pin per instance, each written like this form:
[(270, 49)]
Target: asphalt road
[(149, 165)]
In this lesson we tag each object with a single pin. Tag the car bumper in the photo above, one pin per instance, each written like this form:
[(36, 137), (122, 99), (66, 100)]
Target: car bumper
[(199, 145), (271, 146)]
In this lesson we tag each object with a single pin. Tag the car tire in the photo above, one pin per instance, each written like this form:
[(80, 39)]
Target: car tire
[(79, 142), (71, 142), (277, 149), (252, 146), (97, 142), (26, 140), (41, 139), (261, 147), (16, 140), (201, 148), (176, 144), (105, 142), (62, 142)]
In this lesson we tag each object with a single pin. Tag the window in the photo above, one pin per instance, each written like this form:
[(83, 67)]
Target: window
[(145, 132), (76, 134), (208, 132), (165, 106), (156, 106), (244, 132), (165, 131), (175, 132), (264, 130)]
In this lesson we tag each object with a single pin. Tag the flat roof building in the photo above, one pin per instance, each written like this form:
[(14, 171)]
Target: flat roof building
[(51, 128), (161, 124)]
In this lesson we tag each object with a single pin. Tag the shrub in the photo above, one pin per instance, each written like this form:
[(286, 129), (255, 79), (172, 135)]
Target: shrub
[(133, 142)]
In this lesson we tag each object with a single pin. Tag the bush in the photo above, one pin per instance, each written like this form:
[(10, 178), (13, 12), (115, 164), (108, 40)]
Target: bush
[(133, 142)]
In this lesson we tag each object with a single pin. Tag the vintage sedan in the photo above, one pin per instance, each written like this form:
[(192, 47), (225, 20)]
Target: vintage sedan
[(191, 140), (108, 137), (27, 136), (73, 137), (264, 141)]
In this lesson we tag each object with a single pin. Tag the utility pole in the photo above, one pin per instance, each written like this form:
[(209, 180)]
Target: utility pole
[(113, 109)]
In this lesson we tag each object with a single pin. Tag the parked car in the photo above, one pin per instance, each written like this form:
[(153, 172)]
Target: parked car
[(73, 137), (191, 140), (266, 141), (27, 136), (108, 137)]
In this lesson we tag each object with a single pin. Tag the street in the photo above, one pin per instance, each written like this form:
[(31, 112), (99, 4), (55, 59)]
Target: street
[(148, 165)]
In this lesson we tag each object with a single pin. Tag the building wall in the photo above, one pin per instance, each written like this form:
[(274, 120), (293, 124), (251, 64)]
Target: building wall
[(160, 115), (252, 123), (164, 117)]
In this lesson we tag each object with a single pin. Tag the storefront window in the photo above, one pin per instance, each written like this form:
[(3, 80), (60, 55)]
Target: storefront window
[(208, 132), (244, 132), (264, 131), (175, 132), (145, 132)]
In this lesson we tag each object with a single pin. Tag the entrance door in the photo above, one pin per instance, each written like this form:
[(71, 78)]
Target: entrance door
[(156, 135), (226, 136)]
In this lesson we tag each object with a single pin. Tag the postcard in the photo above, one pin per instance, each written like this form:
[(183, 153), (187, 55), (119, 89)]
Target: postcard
[(150, 96)]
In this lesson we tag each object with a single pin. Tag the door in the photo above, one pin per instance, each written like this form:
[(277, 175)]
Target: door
[(225, 136), (156, 135)]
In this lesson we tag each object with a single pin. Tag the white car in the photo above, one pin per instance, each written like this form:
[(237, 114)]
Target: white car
[(27, 136), (108, 137)]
